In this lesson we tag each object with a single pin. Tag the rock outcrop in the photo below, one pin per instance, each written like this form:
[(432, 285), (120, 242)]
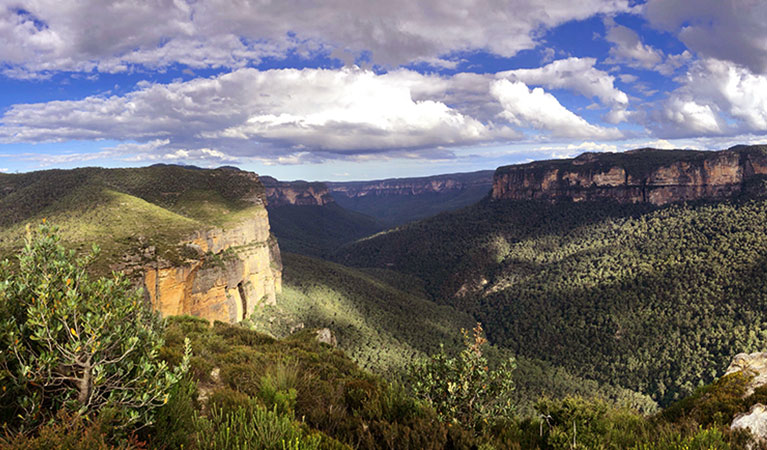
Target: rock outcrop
[(300, 193), (752, 364), (645, 175), (755, 420), (413, 186), (235, 271)]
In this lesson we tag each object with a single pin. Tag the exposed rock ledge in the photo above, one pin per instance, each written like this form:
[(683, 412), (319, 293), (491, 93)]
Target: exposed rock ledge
[(226, 273), (755, 420)]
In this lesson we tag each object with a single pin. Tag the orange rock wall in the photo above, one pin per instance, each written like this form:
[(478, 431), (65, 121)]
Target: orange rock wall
[(634, 177), (239, 269)]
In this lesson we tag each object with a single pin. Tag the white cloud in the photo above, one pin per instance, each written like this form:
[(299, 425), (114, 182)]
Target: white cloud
[(3, 170), (308, 115), (716, 97), (269, 114), (628, 78), (538, 109), (52, 35), (576, 74), (730, 30), (579, 75), (629, 49)]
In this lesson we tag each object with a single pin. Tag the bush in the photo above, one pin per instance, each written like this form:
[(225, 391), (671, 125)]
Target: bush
[(76, 343), (464, 389)]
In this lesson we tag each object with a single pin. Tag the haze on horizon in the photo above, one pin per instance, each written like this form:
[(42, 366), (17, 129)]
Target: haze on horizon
[(349, 90)]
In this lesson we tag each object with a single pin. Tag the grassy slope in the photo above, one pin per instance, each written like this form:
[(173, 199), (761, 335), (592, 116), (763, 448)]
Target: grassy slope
[(318, 230), (384, 328), (121, 209), (654, 300)]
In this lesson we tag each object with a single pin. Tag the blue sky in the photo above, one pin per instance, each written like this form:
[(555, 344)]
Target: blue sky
[(349, 89)]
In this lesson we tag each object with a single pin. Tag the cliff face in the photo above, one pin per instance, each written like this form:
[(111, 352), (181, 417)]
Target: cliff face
[(233, 272), (647, 175), (301, 193), (413, 186)]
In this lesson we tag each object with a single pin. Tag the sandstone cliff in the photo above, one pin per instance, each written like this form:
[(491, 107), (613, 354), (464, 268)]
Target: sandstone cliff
[(198, 241), (413, 186), (230, 273), (646, 175), (301, 193)]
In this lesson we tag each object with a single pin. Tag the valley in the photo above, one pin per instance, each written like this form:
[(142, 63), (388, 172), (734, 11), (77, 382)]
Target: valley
[(620, 283)]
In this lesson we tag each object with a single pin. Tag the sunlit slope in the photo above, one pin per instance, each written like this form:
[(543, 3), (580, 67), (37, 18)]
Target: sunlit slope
[(384, 321), (123, 209)]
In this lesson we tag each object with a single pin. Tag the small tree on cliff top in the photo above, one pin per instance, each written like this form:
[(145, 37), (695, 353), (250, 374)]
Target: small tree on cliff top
[(70, 342)]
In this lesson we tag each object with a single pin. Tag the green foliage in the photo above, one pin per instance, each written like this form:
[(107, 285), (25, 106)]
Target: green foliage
[(297, 377), (656, 300), (382, 327), (251, 426), (174, 421), (75, 343), (464, 389), (126, 211), (385, 322)]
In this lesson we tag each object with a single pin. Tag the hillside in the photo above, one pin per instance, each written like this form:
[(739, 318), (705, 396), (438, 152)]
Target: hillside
[(652, 299), (385, 322), (198, 241), (400, 200), (307, 220)]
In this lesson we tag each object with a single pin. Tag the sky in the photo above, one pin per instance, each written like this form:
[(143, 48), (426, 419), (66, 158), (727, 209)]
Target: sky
[(361, 89)]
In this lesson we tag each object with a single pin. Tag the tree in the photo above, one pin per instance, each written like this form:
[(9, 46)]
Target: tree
[(464, 389), (71, 342)]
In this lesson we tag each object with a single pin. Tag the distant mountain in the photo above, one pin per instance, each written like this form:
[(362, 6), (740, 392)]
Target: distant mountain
[(400, 200)]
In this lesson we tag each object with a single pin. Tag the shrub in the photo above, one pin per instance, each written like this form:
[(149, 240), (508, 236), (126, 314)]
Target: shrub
[(76, 343), (464, 389), (252, 426)]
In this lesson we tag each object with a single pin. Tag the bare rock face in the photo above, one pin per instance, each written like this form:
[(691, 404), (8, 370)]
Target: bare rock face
[(300, 193), (754, 364), (646, 175), (754, 421), (326, 336), (237, 270)]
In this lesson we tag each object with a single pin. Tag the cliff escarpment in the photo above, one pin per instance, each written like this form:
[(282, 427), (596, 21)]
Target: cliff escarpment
[(299, 193), (413, 186), (400, 200), (197, 241), (638, 176)]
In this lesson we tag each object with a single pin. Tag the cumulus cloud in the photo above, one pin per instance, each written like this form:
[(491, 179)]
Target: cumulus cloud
[(629, 49), (306, 115), (729, 30), (75, 35), (579, 75), (541, 110), (716, 97)]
